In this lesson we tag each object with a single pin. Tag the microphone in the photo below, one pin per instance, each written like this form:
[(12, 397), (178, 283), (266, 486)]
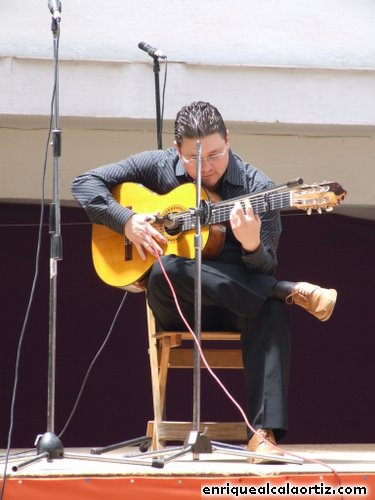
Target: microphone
[(166, 220), (55, 8), (151, 51)]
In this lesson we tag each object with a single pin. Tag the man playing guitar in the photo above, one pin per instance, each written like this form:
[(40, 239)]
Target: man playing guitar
[(239, 287)]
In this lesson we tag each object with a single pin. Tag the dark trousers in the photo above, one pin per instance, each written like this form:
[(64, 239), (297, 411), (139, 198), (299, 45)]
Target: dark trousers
[(234, 298)]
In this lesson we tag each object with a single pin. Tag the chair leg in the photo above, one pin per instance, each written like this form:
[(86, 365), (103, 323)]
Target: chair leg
[(153, 353), (163, 374)]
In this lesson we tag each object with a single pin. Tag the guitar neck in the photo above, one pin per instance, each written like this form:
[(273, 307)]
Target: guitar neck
[(260, 202), (220, 211)]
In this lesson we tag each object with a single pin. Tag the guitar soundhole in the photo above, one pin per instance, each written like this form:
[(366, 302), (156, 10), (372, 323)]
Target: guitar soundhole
[(172, 225), (172, 231)]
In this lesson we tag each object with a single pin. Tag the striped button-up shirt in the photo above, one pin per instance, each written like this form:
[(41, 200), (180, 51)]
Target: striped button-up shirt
[(161, 171)]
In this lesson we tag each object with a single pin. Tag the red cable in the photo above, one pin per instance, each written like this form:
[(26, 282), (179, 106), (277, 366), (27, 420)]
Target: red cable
[(216, 378)]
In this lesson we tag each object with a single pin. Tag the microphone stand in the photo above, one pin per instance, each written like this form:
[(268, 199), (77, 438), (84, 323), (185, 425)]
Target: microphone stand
[(143, 441), (48, 445), (196, 441), (156, 55)]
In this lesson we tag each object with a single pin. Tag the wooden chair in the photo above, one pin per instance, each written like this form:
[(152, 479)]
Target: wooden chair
[(166, 352)]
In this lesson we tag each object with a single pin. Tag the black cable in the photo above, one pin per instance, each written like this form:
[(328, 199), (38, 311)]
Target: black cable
[(36, 274), (163, 102), (31, 298), (92, 365), (104, 343)]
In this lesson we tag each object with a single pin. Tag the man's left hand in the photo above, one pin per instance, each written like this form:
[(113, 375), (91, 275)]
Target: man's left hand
[(246, 226)]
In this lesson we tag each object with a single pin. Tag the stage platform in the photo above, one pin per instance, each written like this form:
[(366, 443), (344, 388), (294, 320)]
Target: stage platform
[(80, 475)]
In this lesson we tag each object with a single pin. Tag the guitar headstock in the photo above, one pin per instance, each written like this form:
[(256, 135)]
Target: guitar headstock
[(319, 197)]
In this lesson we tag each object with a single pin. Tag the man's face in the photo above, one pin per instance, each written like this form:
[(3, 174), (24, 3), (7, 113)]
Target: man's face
[(214, 158)]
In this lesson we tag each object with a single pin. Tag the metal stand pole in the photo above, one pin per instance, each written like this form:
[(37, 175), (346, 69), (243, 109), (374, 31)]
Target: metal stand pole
[(197, 297), (143, 441), (159, 131), (156, 54), (201, 444), (49, 443)]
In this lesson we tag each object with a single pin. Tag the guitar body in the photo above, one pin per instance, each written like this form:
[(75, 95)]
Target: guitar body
[(119, 264)]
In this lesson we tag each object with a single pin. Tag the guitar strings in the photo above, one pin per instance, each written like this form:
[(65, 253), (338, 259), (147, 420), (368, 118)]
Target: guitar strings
[(260, 205), (220, 211)]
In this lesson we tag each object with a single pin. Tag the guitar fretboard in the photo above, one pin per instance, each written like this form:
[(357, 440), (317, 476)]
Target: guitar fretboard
[(220, 211)]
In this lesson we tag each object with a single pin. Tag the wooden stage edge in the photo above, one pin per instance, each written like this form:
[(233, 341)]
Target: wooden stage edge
[(345, 471)]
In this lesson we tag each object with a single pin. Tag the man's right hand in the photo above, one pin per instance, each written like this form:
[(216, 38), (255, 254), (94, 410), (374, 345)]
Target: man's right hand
[(144, 236)]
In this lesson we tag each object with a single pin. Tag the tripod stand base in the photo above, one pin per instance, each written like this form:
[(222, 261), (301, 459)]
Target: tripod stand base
[(198, 442), (49, 443), (143, 442), (48, 446), (51, 448)]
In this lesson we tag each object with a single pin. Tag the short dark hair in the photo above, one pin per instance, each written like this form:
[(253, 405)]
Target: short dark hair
[(197, 120)]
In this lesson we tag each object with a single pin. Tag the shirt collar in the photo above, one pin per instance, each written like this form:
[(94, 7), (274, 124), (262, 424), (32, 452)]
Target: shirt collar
[(233, 174), (180, 169)]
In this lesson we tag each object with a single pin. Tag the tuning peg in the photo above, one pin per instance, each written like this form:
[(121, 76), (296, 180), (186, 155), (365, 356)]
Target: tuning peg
[(329, 209), (319, 210), (309, 211)]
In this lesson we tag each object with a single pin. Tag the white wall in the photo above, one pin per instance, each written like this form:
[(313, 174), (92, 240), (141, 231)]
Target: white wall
[(294, 79), (325, 33)]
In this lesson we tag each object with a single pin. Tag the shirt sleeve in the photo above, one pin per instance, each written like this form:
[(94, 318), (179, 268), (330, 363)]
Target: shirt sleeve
[(92, 190), (264, 258)]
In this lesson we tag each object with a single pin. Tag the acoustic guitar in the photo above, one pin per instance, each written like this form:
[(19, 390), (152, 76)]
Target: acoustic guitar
[(117, 261)]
